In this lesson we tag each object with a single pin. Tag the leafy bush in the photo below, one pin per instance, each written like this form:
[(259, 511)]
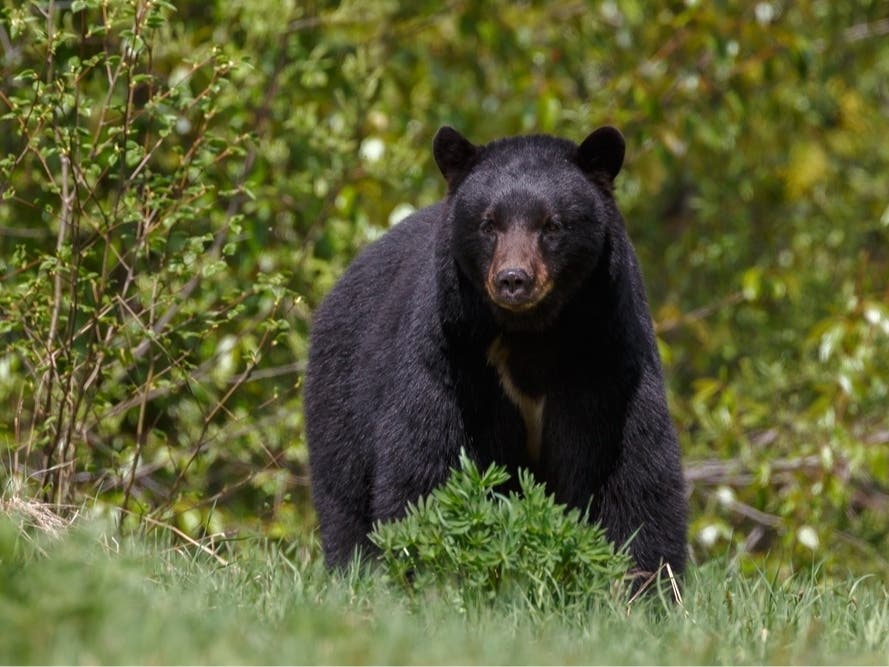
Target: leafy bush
[(478, 544), (132, 331)]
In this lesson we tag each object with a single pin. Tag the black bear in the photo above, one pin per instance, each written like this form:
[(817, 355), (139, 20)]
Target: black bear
[(510, 319)]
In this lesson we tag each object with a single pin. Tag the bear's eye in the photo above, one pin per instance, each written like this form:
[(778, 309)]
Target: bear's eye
[(487, 226), (552, 225)]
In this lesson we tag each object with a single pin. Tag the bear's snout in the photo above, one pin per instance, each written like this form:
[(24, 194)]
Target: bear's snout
[(517, 274), (513, 285)]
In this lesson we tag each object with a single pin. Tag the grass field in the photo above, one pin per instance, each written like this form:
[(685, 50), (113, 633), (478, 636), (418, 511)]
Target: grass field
[(83, 597)]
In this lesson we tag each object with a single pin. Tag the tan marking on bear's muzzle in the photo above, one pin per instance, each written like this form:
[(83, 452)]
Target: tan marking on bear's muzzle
[(518, 250)]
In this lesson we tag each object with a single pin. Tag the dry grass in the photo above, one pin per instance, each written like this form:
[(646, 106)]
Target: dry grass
[(39, 518), (32, 515)]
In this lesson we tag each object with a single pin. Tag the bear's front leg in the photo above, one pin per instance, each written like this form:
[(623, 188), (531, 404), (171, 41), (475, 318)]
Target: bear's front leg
[(416, 445), (644, 496)]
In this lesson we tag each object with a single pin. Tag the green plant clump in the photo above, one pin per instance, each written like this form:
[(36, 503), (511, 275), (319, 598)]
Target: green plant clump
[(477, 544)]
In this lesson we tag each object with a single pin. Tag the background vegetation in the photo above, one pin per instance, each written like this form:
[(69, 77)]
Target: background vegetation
[(181, 183)]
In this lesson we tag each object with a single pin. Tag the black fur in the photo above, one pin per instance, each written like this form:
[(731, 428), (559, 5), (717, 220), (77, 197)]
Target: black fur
[(400, 376)]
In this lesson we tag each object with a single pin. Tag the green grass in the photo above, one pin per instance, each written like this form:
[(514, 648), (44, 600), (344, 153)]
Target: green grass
[(84, 598)]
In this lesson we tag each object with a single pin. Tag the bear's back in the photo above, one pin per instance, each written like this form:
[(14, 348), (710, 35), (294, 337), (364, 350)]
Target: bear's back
[(354, 327), (385, 273)]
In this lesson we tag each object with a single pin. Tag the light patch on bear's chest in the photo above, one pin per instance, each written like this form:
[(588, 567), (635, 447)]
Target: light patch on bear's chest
[(529, 407)]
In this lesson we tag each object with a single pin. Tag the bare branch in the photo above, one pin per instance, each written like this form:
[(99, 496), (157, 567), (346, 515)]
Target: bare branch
[(699, 313), (733, 472)]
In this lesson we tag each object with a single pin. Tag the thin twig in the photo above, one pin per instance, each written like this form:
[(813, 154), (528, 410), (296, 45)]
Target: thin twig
[(699, 313), (187, 538), (733, 471), (677, 595)]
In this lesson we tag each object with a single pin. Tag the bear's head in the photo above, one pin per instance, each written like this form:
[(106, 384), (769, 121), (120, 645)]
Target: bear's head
[(529, 217)]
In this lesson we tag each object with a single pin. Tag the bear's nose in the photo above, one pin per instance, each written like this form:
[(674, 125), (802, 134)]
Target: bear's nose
[(513, 284)]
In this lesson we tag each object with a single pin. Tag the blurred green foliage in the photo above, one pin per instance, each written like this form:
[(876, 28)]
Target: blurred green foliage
[(182, 183)]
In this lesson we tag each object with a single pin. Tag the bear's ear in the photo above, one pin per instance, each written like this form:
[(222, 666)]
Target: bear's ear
[(602, 152), (454, 155)]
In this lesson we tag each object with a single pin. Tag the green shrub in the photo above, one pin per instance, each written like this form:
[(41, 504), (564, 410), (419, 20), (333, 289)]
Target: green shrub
[(133, 330), (479, 544)]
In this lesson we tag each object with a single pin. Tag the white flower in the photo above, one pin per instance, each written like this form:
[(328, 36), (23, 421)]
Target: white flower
[(400, 212), (765, 12), (372, 149), (807, 537), (708, 535), (725, 496)]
